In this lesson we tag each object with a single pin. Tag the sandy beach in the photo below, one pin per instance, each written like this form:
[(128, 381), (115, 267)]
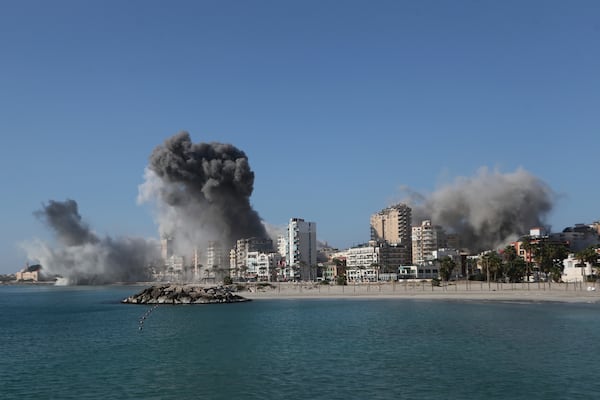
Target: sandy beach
[(481, 291)]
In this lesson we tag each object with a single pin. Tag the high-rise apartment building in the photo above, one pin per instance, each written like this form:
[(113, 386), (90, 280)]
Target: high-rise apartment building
[(302, 247), (166, 247), (215, 255), (282, 245), (426, 239), (393, 225)]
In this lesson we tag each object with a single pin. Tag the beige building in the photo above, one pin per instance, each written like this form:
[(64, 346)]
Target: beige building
[(29, 273), (393, 225)]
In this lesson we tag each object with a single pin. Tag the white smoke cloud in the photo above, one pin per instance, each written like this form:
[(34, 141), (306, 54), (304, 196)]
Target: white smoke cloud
[(487, 210)]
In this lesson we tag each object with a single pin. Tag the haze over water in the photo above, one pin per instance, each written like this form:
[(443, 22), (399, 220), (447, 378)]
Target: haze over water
[(81, 343)]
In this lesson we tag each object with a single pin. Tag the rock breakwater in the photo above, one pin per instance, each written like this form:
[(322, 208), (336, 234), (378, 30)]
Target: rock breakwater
[(184, 294)]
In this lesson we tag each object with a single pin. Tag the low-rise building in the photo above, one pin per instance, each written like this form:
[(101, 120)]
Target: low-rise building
[(261, 267), (574, 270), (428, 271), (362, 274), (29, 273)]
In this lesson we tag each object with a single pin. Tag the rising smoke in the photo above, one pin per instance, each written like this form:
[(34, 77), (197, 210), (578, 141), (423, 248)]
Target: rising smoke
[(83, 258), (201, 192), (489, 210)]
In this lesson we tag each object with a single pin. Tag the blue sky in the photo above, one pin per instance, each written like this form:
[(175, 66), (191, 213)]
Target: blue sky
[(336, 103)]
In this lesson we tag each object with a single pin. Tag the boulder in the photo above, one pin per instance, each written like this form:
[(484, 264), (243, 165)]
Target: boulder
[(184, 294)]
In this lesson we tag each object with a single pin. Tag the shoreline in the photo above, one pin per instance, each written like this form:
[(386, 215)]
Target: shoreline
[(580, 292), (517, 292)]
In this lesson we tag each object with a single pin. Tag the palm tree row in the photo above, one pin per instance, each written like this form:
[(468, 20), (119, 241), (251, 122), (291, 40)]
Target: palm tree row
[(544, 258)]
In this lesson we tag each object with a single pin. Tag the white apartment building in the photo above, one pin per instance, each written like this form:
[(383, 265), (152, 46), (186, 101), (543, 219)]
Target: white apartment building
[(253, 244), (216, 258), (426, 239), (362, 262), (282, 246), (261, 266), (362, 275), (574, 270), (362, 256), (301, 257), (215, 255)]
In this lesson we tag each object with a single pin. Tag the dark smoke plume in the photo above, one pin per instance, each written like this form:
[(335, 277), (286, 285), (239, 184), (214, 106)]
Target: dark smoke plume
[(64, 219), (489, 210), (202, 193), (83, 258)]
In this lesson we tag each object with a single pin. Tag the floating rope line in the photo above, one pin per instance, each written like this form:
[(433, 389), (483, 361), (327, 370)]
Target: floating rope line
[(146, 315)]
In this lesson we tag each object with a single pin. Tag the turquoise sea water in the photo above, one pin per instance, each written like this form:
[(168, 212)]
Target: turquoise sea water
[(81, 343)]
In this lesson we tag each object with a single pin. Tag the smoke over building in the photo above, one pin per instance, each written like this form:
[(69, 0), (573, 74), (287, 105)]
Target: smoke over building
[(201, 192), (488, 210), (81, 257)]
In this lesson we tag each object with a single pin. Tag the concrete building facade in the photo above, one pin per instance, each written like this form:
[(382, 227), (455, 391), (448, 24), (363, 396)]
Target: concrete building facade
[(392, 224), (262, 267), (574, 270), (29, 273), (248, 245), (301, 258), (426, 239)]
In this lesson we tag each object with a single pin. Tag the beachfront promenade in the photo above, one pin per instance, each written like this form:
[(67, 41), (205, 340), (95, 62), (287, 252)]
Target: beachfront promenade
[(462, 290)]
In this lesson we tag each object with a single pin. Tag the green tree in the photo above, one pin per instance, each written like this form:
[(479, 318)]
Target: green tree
[(340, 270), (550, 256), (338, 262), (377, 269), (447, 265), (492, 264), (514, 267), (588, 255), (340, 280)]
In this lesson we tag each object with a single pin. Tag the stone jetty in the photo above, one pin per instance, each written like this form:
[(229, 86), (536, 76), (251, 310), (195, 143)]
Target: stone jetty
[(185, 294)]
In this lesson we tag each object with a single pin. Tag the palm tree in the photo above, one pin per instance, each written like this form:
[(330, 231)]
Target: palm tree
[(377, 268), (550, 256), (340, 270), (514, 266), (588, 255), (492, 262), (528, 247), (447, 265)]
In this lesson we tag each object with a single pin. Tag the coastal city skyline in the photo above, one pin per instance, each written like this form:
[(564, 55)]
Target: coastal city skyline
[(371, 105), (299, 199), (399, 248)]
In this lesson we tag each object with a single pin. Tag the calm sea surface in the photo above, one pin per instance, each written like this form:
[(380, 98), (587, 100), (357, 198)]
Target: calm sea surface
[(81, 343)]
